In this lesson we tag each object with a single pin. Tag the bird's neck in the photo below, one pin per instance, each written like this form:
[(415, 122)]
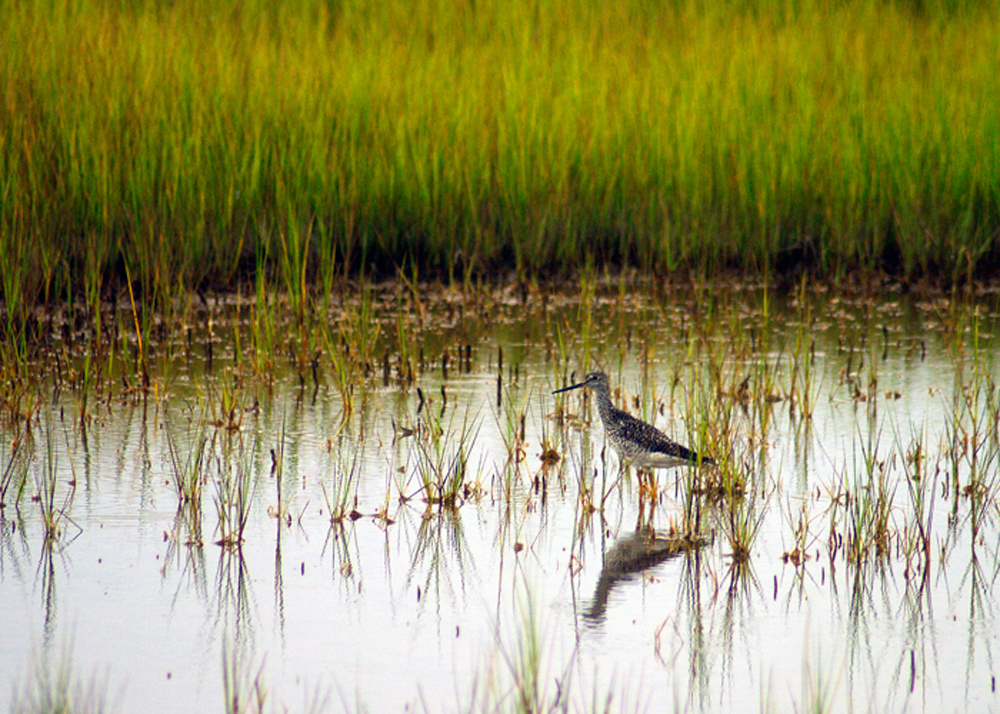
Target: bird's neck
[(604, 405)]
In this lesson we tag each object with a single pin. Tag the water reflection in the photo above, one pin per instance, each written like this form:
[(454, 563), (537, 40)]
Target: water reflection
[(13, 546), (339, 538), (234, 599), (441, 558), (890, 462), (46, 573), (980, 613), (630, 555), (185, 552), (691, 610)]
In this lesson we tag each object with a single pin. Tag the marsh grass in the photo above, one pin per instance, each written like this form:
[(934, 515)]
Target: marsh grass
[(264, 333), (510, 419), (53, 510), (730, 372), (341, 498), (225, 400), (870, 495), (348, 335), (235, 487), (803, 390), (442, 456), (188, 469), (972, 453), (188, 472), (689, 135), (918, 525), (740, 520), (800, 524), (15, 470)]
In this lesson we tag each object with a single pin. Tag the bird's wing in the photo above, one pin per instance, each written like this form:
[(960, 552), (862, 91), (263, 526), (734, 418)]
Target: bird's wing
[(655, 440)]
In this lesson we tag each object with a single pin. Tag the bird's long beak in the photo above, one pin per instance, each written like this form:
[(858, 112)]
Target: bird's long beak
[(566, 389)]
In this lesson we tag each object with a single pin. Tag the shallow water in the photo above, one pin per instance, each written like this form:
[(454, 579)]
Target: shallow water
[(519, 592)]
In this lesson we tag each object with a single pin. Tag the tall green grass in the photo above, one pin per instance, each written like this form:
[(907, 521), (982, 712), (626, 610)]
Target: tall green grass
[(183, 141)]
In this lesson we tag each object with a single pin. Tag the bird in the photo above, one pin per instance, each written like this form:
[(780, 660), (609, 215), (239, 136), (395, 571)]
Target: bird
[(637, 443)]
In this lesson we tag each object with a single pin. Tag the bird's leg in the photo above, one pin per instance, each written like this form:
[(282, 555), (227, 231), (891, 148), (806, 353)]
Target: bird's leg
[(643, 524), (647, 484)]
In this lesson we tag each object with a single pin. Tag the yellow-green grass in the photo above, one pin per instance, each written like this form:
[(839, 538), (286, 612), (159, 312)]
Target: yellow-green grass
[(192, 142)]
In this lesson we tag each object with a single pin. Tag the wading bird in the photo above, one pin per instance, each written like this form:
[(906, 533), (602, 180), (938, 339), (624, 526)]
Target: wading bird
[(637, 443)]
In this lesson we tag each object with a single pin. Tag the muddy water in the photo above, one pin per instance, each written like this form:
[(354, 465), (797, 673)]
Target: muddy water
[(860, 434)]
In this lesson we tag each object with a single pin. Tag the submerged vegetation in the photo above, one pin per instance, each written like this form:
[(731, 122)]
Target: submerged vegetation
[(187, 145)]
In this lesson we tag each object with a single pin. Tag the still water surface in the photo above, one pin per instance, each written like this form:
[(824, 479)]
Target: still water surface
[(519, 590)]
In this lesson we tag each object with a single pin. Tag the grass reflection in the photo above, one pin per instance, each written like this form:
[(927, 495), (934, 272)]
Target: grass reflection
[(440, 561), (54, 685), (856, 477)]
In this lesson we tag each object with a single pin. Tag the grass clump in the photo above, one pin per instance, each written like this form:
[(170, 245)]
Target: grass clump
[(188, 144)]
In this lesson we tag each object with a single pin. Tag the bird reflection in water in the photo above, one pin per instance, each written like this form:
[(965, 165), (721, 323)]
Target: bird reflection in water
[(633, 554)]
